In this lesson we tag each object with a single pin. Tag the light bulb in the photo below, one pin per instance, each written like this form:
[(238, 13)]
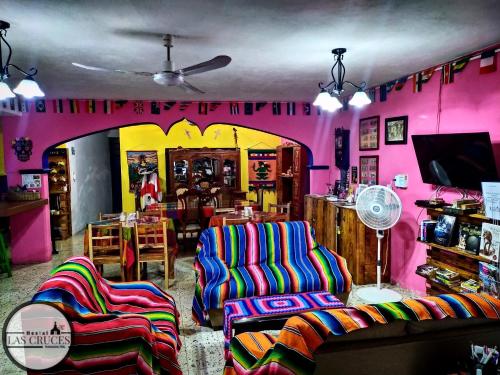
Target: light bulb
[(332, 104), (359, 99), (5, 91), (29, 88), (322, 98)]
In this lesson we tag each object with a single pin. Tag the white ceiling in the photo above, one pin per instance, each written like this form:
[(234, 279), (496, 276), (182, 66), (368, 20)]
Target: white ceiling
[(280, 49)]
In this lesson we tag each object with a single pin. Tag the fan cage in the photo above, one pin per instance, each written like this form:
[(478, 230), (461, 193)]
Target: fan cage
[(378, 207)]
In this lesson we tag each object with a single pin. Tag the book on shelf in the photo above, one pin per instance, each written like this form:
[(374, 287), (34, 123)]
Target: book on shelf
[(447, 274), (427, 270), (443, 232), (470, 286), (490, 241), (427, 230), (469, 237), (488, 275)]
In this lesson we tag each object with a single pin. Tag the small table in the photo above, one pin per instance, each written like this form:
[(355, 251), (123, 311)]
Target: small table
[(271, 312), (238, 218)]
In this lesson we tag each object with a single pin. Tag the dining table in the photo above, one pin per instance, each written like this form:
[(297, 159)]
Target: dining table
[(129, 260), (238, 217)]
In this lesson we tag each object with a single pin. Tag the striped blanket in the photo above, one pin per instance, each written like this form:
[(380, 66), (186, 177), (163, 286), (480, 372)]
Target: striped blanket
[(292, 352), (259, 259), (118, 328)]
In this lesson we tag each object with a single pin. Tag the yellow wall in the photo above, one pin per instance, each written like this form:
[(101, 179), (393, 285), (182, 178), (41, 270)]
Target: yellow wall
[(152, 137)]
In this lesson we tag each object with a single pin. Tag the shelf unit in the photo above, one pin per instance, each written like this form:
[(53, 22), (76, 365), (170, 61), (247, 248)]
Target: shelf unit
[(451, 257), (60, 199), (292, 178)]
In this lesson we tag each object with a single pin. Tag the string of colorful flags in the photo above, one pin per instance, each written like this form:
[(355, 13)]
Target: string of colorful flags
[(488, 64)]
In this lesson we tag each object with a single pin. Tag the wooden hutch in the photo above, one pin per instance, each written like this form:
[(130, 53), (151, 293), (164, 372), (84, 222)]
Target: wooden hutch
[(292, 177), (338, 228), (218, 167), (59, 193)]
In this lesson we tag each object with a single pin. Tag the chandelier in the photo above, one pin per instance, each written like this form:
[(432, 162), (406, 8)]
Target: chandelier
[(329, 97), (28, 86)]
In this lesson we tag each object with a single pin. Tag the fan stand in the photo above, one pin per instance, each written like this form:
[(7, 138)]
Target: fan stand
[(372, 294)]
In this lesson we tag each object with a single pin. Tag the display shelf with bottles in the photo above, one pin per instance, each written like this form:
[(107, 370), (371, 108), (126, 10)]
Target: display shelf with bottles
[(59, 193)]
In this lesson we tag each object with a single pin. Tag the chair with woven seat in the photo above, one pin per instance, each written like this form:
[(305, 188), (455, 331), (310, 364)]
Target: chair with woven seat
[(151, 245), (281, 208), (190, 218), (105, 246)]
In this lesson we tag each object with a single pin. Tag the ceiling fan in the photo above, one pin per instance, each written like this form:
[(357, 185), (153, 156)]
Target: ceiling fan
[(169, 75)]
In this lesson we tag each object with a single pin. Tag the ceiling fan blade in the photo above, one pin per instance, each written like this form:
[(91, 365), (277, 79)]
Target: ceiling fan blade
[(98, 69), (216, 63), (190, 88)]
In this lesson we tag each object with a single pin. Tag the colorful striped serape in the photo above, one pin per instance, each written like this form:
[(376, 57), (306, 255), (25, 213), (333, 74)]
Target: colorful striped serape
[(272, 306), (118, 328), (292, 352), (259, 259)]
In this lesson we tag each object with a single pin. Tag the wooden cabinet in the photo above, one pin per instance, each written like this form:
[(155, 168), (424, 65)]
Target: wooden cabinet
[(59, 193), (452, 257), (218, 167), (292, 178), (338, 228)]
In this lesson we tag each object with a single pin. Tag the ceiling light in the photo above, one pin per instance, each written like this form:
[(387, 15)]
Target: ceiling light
[(5, 91), (359, 99), (335, 87), (27, 87)]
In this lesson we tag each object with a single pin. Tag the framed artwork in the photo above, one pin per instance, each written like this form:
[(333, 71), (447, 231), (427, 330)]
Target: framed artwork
[(139, 162), (369, 133), (368, 170), (396, 130)]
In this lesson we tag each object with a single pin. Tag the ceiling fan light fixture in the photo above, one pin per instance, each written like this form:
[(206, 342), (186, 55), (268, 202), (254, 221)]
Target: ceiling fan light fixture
[(360, 99), (5, 91), (29, 88)]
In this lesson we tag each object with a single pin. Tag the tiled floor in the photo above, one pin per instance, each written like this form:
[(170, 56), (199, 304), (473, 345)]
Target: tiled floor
[(202, 350)]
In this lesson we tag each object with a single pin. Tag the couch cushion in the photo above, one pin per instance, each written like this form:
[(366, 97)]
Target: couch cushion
[(425, 326), (395, 328)]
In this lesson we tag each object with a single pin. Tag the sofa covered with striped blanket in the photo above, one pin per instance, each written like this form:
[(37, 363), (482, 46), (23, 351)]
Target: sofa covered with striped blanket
[(257, 259), (118, 328), (428, 335)]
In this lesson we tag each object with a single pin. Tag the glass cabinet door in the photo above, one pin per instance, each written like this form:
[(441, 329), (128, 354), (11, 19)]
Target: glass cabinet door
[(229, 173), (181, 171), (205, 169)]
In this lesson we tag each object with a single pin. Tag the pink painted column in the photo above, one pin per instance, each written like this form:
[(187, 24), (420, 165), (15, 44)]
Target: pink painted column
[(30, 231)]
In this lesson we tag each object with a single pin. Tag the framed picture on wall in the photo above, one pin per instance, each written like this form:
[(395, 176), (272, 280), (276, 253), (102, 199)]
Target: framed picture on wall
[(138, 162), (368, 170), (369, 133), (396, 130)]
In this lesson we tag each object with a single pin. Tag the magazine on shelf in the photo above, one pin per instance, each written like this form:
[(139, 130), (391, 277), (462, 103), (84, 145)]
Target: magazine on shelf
[(469, 237), (443, 232), (490, 242), (488, 274)]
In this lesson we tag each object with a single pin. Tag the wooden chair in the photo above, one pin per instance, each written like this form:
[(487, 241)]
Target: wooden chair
[(281, 208), (109, 216), (190, 219), (234, 221), (151, 246), (105, 246), (151, 213)]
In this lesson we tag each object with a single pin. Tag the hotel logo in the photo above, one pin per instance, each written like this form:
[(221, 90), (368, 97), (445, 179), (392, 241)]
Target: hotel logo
[(36, 336)]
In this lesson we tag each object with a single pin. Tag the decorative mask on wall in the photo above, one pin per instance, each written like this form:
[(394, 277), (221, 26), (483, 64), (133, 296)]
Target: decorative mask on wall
[(22, 148)]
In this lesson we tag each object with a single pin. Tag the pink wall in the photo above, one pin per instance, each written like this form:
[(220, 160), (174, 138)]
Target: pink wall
[(32, 242), (470, 104)]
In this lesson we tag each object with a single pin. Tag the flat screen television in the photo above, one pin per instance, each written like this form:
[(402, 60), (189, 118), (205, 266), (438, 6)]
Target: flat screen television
[(461, 160)]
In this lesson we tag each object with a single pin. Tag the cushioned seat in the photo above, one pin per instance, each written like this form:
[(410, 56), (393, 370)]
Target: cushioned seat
[(120, 328), (257, 259)]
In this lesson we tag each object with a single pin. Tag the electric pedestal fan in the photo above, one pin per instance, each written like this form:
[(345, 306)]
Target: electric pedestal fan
[(379, 208)]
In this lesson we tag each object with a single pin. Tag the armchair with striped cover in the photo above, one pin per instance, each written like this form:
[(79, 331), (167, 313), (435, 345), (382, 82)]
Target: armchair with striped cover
[(258, 259), (118, 328)]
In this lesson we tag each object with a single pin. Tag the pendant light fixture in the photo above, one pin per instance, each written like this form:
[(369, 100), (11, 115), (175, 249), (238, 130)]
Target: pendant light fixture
[(28, 86), (329, 97)]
